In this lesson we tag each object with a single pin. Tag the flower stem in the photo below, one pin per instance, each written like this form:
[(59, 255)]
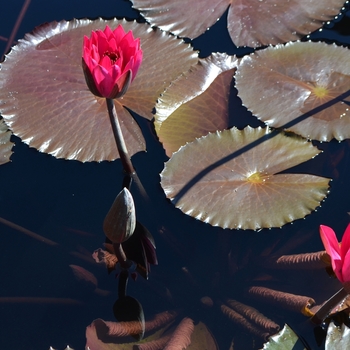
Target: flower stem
[(119, 139), (327, 307), (123, 151)]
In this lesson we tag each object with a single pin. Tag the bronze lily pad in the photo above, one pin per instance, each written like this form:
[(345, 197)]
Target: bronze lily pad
[(196, 103), (302, 86), (230, 179), (249, 22), (45, 101)]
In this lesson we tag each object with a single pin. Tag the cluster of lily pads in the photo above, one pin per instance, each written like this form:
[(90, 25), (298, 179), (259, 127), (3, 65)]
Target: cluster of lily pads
[(216, 172)]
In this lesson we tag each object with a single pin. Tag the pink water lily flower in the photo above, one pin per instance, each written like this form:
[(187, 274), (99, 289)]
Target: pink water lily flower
[(110, 61), (339, 253)]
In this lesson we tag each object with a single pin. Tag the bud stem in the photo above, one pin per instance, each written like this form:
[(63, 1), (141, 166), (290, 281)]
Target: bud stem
[(119, 139), (123, 282), (328, 306)]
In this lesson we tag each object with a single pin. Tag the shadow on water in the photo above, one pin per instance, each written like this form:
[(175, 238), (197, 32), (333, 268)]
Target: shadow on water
[(257, 142)]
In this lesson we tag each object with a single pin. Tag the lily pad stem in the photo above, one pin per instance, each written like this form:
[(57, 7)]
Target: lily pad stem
[(328, 306), (119, 139)]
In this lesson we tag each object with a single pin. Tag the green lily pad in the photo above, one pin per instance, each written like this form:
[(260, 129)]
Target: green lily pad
[(285, 339), (338, 338), (5, 143)]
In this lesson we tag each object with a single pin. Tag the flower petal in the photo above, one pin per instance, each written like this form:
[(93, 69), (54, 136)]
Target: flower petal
[(108, 32), (103, 80), (105, 62), (113, 59), (330, 241), (119, 34), (345, 243), (331, 244), (346, 268)]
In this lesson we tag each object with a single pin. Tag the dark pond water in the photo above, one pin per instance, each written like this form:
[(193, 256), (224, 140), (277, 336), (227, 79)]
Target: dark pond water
[(66, 201)]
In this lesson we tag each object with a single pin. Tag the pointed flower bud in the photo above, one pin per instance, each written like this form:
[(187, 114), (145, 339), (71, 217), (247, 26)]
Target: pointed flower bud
[(110, 61), (120, 221)]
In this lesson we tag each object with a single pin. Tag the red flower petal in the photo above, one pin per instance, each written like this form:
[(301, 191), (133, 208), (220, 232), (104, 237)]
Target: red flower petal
[(108, 32), (345, 242), (106, 63), (118, 34), (113, 59), (331, 244), (345, 272)]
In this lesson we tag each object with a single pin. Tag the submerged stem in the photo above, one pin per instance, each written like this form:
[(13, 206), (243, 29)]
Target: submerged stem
[(328, 306), (123, 282)]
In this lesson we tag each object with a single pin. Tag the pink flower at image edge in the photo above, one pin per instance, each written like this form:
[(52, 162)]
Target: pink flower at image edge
[(339, 254), (110, 61)]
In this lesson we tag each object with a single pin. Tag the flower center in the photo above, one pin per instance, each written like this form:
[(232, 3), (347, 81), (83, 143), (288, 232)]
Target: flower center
[(256, 178), (113, 56), (320, 91)]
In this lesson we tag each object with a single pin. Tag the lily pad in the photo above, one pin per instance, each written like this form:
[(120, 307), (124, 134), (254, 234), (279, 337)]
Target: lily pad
[(196, 103), (338, 338), (303, 87), (285, 339), (45, 101), (5, 143), (250, 23), (229, 179)]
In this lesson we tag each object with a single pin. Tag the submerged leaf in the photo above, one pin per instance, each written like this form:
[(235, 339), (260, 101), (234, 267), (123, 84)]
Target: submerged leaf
[(129, 311), (45, 101), (202, 339), (250, 22), (196, 103), (228, 179), (104, 335), (281, 83), (82, 274), (181, 337)]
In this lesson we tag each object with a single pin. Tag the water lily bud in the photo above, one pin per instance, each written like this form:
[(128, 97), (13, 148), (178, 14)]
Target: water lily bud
[(120, 222), (110, 61)]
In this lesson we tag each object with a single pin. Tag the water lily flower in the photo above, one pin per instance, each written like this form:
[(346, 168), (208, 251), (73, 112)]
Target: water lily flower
[(339, 253), (110, 61)]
